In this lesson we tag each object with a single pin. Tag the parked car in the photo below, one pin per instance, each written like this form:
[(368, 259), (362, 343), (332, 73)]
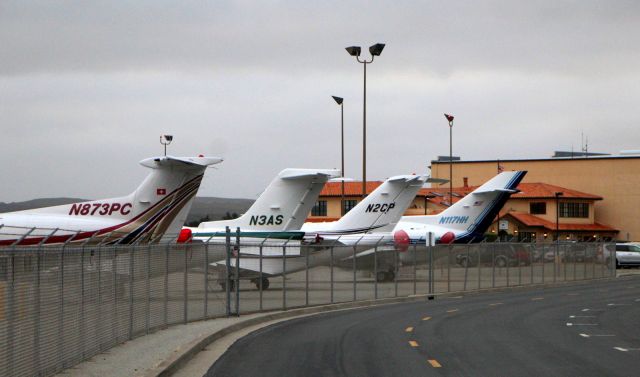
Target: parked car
[(627, 254), (502, 256)]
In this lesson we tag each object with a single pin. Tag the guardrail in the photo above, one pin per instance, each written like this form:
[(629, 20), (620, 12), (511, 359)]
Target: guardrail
[(63, 304)]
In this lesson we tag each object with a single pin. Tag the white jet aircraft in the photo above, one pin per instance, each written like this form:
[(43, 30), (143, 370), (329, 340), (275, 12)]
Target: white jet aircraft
[(465, 221), (279, 211), (156, 209), (367, 224)]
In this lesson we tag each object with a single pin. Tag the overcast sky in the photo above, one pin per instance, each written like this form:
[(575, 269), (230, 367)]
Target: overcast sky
[(86, 88)]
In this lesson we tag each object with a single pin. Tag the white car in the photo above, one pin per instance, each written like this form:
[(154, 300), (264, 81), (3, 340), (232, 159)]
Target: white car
[(627, 254)]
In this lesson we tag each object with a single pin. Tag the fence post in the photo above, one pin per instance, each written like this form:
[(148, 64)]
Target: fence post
[(430, 251), (375, 272), (82, 327), (60, 332), (575, 262), (36, 313), (331, 273), (261, 276), (415, 270), (228, 270), (147, 309), (306, 277), (99, 298), (556, 258), (584, 265), (508, 260), (132, 250), (520, 269), (166, 286), (284, 273), (354, 270), (11, 272), (185, 285), (466, 268), (594, 259), (530, 247), (237, 284), (493, 266), (205, 313), (396, 274)]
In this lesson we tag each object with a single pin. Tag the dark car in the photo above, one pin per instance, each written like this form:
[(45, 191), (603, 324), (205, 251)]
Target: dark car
[(502, 255)]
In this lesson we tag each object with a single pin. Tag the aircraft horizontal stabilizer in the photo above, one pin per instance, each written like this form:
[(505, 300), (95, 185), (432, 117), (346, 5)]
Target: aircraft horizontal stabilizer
[(491, 191), (290, 174), (180, 162), (406, 178)]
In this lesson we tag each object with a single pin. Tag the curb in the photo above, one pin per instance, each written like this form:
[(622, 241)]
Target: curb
[(179, 359)]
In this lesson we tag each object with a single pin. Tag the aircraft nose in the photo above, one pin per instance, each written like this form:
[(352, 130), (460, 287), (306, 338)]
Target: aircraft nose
[(401, 240)]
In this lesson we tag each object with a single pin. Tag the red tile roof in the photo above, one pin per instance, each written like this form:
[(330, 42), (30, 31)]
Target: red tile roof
[(440, 194), (535, 221), (545, 190)]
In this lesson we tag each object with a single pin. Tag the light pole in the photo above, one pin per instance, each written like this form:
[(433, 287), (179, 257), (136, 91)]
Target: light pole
[(340, 101), (374, 50), (165, 140), (558, 194), (450, 120)]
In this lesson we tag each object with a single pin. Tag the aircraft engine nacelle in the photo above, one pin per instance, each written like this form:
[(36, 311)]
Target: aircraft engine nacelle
[(447, 238), (401, 240), (185, 236)]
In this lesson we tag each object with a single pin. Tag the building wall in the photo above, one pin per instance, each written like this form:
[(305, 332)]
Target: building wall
[(617, 180)]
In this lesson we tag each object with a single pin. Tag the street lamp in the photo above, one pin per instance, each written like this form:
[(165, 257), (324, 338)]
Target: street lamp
[(374, 50), (450, 120), (558, 194), (166, 140), (340, 101)]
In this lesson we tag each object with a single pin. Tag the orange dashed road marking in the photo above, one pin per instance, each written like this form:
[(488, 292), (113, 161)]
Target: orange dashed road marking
[(413, 343), (426, 318), (434, 363), (537, 298), (408, 329), (494, 304), (452, 311)]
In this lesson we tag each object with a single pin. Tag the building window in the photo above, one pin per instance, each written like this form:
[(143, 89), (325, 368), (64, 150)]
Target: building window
[(568, 209), (538, 208), (348, 205), (320, 209)]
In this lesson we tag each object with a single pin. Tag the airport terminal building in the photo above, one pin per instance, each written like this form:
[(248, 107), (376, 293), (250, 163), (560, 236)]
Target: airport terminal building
[(598, 197), (613, 179)]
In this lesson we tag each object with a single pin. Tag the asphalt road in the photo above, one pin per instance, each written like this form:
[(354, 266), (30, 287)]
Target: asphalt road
[(581, 330)]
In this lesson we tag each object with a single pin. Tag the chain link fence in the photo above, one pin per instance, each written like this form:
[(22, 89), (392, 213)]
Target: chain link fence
[(63, 304)]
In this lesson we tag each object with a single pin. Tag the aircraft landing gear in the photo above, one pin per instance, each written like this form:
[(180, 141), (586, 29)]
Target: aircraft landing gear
[(232, 285), (385, 276), (265, 283)]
